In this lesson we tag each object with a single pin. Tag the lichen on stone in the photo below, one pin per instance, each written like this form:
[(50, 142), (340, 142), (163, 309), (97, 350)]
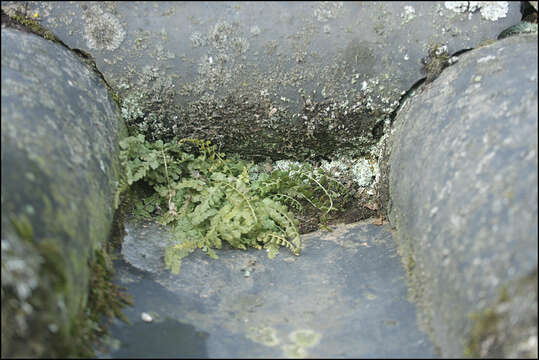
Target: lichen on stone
[(435, 62), (408, 14), (305, 337), (328, 10), (102, 30), (490, 10), (20, 274), (263, 335)]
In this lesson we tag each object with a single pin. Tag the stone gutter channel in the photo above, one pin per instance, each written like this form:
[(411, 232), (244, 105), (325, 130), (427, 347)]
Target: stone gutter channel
[(428, 110)]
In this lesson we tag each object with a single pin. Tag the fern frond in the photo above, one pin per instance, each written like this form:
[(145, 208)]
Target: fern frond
[(207, 198)]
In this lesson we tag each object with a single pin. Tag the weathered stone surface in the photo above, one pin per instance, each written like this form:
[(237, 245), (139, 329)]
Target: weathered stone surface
[(344, 296), (269, 79), (463, 186), (60, 129)]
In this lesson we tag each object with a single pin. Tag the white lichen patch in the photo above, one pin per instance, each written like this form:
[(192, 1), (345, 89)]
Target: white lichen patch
[(20, 273), (241, 45), (14, 9), (486, 59), (457, 6), (221, 34), (286, 165), (453, 60), (440, 50), (408, 14), (197, 40), (362, 170), (102, 30), (493, 10), (490, 10), (255, 30), (131, 109), (327, 10)]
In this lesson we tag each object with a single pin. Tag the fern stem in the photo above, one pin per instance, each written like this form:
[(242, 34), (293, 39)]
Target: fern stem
[(323, 188), (166, 174), (291, 198)]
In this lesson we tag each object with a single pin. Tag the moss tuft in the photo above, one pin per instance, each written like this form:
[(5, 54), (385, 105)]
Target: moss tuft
[(434, 63), (105, 298)]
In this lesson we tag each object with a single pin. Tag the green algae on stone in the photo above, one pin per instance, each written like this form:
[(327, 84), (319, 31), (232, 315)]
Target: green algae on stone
[(302, 340), (105, 298), (305, 337), (499, 331), (24, 278), (263, 335), (295, 351)]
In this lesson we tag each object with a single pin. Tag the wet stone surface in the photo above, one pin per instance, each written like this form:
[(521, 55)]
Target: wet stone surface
[(268, 79), (344, 296)]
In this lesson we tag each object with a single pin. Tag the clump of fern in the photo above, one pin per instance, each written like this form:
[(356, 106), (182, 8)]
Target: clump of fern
[(207, 198)]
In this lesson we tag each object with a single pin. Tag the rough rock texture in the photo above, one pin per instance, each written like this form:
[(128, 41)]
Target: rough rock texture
[(269, 79), (463, 186), (60, 129), (344, 296)]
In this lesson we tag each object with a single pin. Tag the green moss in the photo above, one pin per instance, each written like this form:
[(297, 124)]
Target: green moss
[(46, 300), (55, 264), (486, 324), (98, 225), (504, 328), (90, 61), (105, 298), (436, 60), (35, 27), (117, 98), (23, 227), (410, 264), (76, 335)]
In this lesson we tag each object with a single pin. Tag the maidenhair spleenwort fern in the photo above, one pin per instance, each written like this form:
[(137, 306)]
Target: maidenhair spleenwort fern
[(208, 199)]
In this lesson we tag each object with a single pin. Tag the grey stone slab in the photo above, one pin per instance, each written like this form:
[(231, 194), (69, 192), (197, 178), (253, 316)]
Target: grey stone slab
[(276, 79), (344, 296), (463, 185), (60, 167)]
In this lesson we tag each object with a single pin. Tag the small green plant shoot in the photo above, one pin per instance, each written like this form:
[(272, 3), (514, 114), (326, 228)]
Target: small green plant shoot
[(207, 198)]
